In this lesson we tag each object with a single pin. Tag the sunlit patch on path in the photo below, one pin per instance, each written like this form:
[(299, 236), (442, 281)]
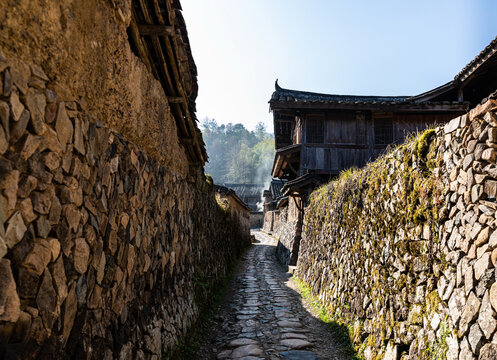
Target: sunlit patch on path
[(263, 318)]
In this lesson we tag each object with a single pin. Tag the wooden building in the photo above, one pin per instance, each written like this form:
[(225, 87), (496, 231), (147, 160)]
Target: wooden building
[(251, 194), (319, 135)]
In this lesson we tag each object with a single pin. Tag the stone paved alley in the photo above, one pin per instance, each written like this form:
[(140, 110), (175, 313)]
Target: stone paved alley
[(263, 317)]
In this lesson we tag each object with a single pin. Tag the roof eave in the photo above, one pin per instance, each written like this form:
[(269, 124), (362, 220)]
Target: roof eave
[(417, 107)]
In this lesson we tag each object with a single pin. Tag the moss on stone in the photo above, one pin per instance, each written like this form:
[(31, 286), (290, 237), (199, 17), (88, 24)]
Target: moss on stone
[(423, 143), (209, 180), (353, 222)]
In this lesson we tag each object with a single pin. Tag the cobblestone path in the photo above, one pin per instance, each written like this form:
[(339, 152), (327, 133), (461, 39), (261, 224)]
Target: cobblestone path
[(262, 317)]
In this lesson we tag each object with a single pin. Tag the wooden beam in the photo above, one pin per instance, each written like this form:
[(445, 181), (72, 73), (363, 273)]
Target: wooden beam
[(166, 50), (158, 12), (173, 54), (156, 30), (292, 168), (141, 47), (175, 99), (464, 107)]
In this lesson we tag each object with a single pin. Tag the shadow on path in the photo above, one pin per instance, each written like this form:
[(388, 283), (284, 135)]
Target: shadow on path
[(262, 316)]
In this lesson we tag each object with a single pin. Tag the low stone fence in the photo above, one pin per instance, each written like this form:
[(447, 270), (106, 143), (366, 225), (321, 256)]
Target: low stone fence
[(103, 251), (404, 251)]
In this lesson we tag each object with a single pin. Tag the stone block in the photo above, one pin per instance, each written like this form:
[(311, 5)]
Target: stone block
[(38, 258), (15, 230), (492, 295), (79, 144), (26, 208), (81, 255), (481, 265), (483, 236), (35, 101), (486, 317), (4, 141), (36, 71), (26, 186), (9, 185), (19, 127), (59, 279), (489, 155), (16, 106), (465, 353), (492, 134), (63, 126), (475, 338), (470, 313), (490, 188), (72, 215), (42, 202), (488, 352), (452, 125), (69, 310), (10, 305), (46, 300)]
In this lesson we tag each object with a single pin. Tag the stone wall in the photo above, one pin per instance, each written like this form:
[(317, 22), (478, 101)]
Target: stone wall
[(271, 220), (239, 212), (256, 219), (105, 251), (404, 251), (286, 225)]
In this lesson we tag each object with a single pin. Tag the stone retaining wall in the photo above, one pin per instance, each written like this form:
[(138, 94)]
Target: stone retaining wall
[(404, 251), (271, 221), (104, 252)]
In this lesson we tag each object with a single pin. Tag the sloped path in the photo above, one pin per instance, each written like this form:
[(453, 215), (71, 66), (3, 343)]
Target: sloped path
[(262, 317)]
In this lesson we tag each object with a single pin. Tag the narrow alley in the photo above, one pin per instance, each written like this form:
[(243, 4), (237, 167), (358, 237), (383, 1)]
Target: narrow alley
[(262, 315)]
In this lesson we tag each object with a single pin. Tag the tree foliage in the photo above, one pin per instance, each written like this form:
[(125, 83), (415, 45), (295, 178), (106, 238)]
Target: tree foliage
[(236, 154)]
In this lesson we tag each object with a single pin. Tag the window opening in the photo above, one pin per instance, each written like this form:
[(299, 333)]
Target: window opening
[(383, 131), (315, 131)]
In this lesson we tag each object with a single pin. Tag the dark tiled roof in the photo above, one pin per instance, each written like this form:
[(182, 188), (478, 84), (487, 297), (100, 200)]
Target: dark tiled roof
[(486, 53), (230, 192), (281, 94), (275, 188), (301, 181), (246, 190)]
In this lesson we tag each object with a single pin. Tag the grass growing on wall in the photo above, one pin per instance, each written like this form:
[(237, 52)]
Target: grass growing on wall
[(336, 324), (363, 218)]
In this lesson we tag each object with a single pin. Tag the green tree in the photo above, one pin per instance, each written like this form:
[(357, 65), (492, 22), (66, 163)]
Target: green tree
[(237, 154)]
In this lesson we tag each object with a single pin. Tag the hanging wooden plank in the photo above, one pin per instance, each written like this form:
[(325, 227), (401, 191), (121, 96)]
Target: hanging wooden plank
[(156, 30), (140, 46), (175, 99)]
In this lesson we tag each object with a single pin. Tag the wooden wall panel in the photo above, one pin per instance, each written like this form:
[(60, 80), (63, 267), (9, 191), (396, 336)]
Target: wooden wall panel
[(409, 123), (341, 127), (320, 159)]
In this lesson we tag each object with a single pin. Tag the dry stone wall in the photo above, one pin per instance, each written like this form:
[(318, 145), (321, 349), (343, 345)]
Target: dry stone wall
[(105, 252), (286, 225), (405, 250)]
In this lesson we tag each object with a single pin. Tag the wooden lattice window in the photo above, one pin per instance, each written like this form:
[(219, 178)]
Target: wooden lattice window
[(383, 131), (314, 130), (283, 132)]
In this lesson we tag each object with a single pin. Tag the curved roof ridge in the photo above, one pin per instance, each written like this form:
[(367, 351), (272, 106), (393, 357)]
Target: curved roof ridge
[(468, 69), (321, 96)]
